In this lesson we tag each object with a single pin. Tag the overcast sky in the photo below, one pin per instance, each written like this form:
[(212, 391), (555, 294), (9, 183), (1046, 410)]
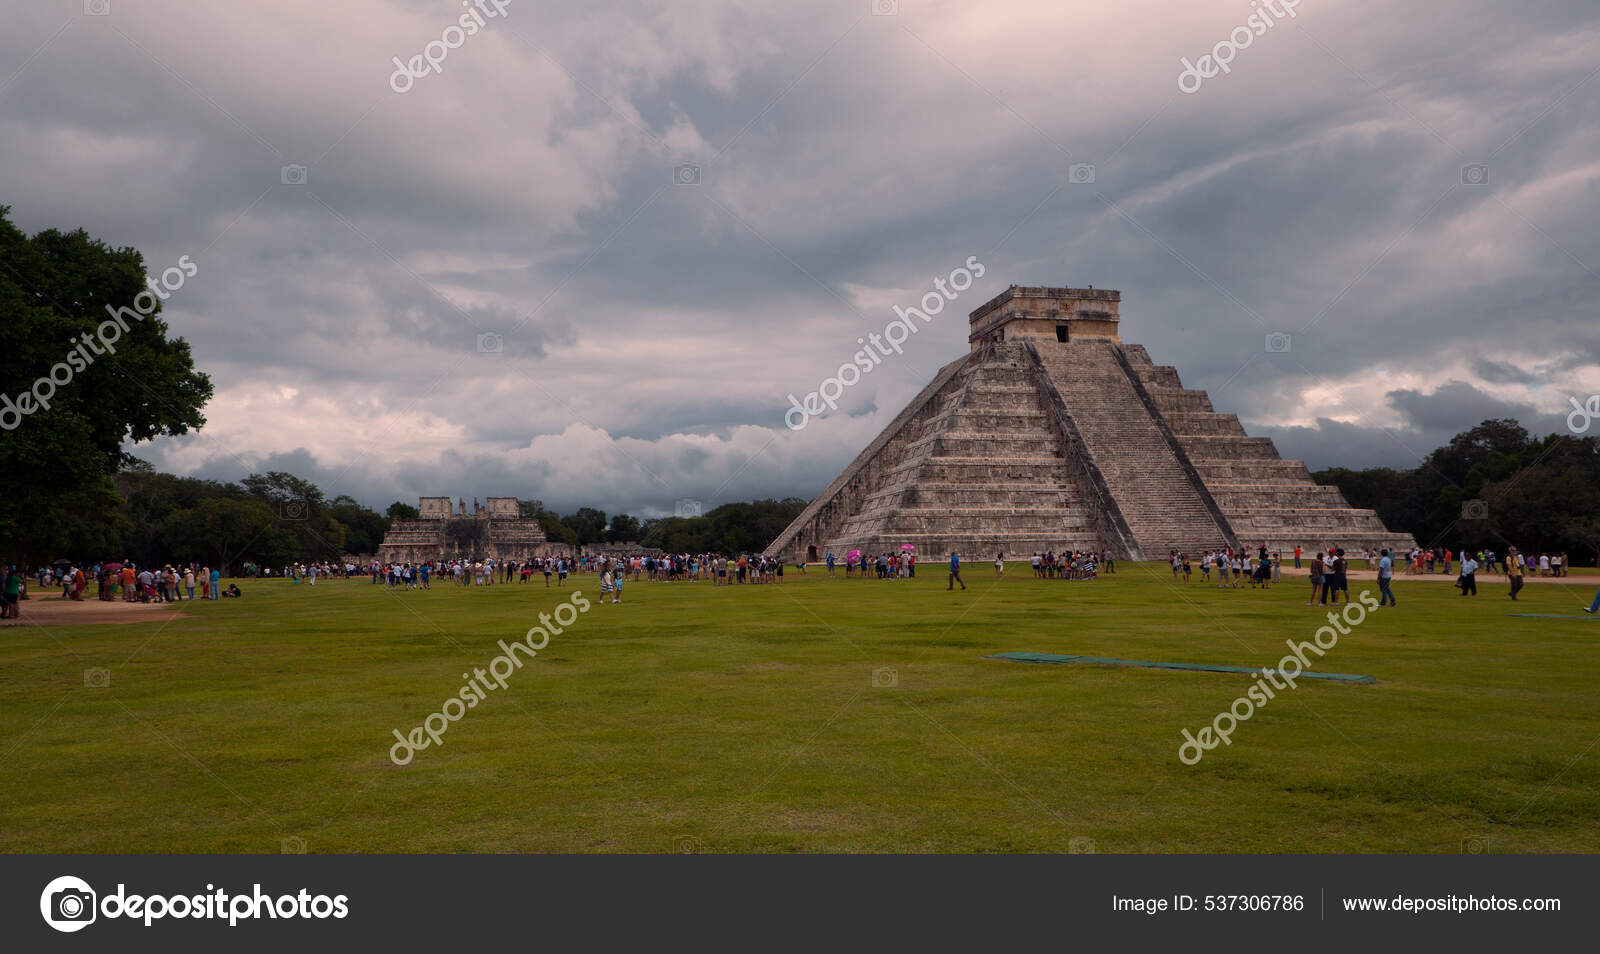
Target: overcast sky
[(848, 153)]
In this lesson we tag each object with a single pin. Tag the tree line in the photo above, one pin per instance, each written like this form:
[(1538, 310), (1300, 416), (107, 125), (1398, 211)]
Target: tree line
[(1493, 486), (277, 518), (730, 529)]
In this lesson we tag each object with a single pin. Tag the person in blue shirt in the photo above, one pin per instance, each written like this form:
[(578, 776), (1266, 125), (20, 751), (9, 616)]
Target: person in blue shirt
[(830, 562), (1385, 576), (216, 584), (955, 572)]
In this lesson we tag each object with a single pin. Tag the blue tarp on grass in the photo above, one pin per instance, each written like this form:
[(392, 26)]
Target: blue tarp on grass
[(1193, 667)]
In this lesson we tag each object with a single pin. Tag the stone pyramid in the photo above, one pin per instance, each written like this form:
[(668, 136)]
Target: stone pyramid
[(1052, 434)]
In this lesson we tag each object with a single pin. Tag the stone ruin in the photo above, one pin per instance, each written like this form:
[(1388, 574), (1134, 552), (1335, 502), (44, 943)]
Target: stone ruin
[(497, 531), (1052, 434)]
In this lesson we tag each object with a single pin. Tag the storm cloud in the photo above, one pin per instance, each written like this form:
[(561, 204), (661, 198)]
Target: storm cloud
[(588, 257)]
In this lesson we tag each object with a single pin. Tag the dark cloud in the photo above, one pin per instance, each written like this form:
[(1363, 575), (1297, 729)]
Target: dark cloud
[(845, 161), (1499, 372)]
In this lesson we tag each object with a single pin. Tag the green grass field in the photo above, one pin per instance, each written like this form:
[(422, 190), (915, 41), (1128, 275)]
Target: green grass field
[(750, 719)]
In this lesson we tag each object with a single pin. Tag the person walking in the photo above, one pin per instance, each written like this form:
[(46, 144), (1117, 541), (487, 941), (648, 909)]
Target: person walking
[(1469, 575), (11, 596), (955, 572), (1385, 577), (1514, 571)]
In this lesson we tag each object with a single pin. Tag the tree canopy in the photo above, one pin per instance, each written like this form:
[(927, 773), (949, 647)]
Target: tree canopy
[(1492, 486), (74, 390)]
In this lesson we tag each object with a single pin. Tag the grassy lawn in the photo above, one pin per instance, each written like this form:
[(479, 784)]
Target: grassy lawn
[(748, 719)]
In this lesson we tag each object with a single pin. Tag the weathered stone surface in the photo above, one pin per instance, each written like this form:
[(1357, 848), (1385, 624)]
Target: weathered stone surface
[(497, 532), (1053, 434)]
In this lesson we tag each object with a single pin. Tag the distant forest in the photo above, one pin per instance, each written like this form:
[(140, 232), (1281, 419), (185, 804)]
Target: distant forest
[(1491, 487), (277, 518)]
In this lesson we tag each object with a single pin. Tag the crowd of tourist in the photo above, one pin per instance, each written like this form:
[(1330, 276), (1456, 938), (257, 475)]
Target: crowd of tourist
[(716, 569), (127, 582), (1329, 569), (1235, 569), (1076, 565), (1328, 572)]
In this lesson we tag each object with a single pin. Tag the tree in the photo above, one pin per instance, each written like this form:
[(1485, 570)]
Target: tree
[(400, 511), (364, 528), (75, 386), (729, 529), (623, 529), (1491, 487), (301, 507), (223, 532), (588, 525)]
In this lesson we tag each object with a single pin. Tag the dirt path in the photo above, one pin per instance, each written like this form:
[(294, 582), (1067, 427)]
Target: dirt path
[(55, 611)]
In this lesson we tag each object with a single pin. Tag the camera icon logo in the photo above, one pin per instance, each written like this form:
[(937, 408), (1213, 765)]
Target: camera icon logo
[(1081, 846), (68, 904), (293, 509), (1279, 343), (688, 509), (885, 678), (689, 845), (686, 173), (96, 8), (294, 174), (491, 342), (1476, 845), (97, 678), (1081, 173), (884, 8), (1475, 173), (293, 845), (1474, 510)]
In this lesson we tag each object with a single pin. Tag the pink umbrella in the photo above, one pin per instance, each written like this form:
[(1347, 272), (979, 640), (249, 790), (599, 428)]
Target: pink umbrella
[(853, 555), (908, 546)]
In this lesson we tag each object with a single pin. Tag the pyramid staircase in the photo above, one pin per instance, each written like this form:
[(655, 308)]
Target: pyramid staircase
[(1051, 434), (1163, 500), (977, 470), (1267, 500)]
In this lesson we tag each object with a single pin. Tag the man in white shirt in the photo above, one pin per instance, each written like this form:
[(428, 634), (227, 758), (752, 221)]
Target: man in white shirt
[(1469, 575)]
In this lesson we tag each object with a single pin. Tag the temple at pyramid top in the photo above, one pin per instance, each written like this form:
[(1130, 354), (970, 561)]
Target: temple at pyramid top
[(1054, 434), (1041, 311)]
